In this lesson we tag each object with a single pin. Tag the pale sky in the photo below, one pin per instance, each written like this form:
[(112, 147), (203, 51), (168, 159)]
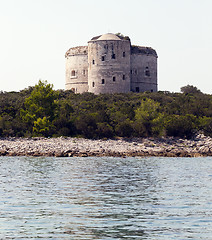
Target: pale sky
[(35, 34)]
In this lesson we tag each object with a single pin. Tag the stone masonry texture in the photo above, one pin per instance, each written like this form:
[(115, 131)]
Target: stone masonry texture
[(110, 64)]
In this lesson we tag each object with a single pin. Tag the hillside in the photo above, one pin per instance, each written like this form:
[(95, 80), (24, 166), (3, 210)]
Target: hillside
[(42, 111)]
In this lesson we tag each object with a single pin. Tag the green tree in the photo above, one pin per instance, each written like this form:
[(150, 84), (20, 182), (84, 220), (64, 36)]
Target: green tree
[(124, 129), (63, 124), (104, 130), (86, 125), (181, 126), (40, 104), (189, 89), (206, 125), (146, 117), (41, 127)]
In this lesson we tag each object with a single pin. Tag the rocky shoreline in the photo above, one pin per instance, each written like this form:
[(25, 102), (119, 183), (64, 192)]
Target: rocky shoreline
[(79, 147)]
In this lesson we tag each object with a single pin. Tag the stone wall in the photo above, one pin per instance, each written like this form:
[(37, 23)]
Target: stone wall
[(143, 70), (77, 69), (108, 66)]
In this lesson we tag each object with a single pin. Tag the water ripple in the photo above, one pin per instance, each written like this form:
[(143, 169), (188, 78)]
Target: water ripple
[(105, 198)]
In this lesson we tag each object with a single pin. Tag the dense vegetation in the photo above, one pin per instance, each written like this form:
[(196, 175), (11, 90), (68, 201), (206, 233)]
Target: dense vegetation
[(42, 111)]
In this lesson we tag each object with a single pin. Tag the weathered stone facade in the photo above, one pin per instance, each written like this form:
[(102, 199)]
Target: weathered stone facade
[(110, 64), (77, 69)]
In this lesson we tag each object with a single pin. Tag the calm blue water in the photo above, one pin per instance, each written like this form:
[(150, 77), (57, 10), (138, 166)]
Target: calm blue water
[(105, 198)]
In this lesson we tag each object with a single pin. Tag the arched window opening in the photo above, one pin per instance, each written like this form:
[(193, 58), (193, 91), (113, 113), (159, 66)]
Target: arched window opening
[(123, 77), (113, 56), (73, 73), (147, 73), (124, 54), (103, 81), (114, 79)]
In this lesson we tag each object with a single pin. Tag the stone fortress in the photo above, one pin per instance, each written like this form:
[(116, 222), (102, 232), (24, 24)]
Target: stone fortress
[(110, 64)]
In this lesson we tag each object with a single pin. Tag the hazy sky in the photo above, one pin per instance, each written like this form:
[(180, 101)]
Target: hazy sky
[(35, 34)]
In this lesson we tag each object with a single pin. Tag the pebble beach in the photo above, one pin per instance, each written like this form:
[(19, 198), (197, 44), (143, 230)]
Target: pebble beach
[(79, 147)]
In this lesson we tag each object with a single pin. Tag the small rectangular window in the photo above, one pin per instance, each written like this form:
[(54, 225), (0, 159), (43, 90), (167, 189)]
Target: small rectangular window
[(123, 77), (103, 81), (113, 56), (131, 71), (114, 79), (103, 58), (124, 54), (93, 84), (83, 72), (93, 61), (147, 73), (137, 89)]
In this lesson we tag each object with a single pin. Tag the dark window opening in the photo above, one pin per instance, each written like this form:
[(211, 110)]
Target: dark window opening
[(73, 73), (103, 81), (151, 90), (147, 73), (113, 56), (103, 58), (123, 77), (93, 61), (114, 79), (93, 84), (131, 71), (124, 54), (83, 72), (137, 89)]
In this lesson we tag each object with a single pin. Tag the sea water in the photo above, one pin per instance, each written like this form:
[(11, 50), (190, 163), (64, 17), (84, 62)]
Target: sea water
[(105, 198)]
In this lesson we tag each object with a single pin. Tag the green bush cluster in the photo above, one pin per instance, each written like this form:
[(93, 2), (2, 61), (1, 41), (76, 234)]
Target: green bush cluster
[(42, 111)]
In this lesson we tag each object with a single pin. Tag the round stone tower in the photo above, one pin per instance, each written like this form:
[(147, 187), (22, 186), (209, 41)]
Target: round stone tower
[(143, 69), (77, 69), (109, 64)]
